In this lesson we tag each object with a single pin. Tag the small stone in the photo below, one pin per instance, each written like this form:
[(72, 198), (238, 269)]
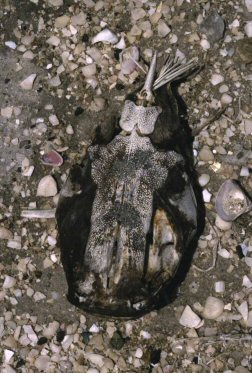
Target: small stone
[(5, 234), (213, 308), (226, 99), (243, 309), (244, 171), (89, 70), (78, 19), (139, 353), (9, 282), (246, 282), (92, 370), (244, 49), (248, 126), (213, 27), (55, 2), (206, 196), (7, 112), (94, 329), (53, 40), (95, 359), (62, 21), (55, 81), (38, 296), (222, 224), (11, 44), (219, 286), (248, 29), (206, 155), (216, 79), (205, 44), (204, 180), (69, 130), (163, 29), (189, 318), (28, 55), (97, 104), (53, 120), (27, 83), (224, 253), (137, 14), (8, 355), (42, 363), (14, 244), (248, 4)]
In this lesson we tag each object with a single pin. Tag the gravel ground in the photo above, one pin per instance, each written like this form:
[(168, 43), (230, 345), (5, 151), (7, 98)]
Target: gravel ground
[(75, 85)]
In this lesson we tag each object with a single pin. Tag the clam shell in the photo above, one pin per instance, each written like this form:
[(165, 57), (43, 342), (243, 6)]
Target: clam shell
[(52, 158), (231, 201)]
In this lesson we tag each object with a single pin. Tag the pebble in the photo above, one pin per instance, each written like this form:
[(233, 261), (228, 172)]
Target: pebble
[(204, 180), (29, 55), (139, 353), (213, 308), (14, 244), (248, 29), (89, 70), (189, 318), (47, 187), (226, 99), (5, 234), (8, 355), (55, 81), (7, 112), (53, 120), (206, 196), (205, 44), (248, 126), (92, 370), (163, 29), (216, 79), (137, 14), (205, 154), (95, 359), (11, 44), (53, 40), (27, 83), (244, 171), (62, 21), (219, 286), (213, 27), (9, 282), (42, 363), (69, 130)]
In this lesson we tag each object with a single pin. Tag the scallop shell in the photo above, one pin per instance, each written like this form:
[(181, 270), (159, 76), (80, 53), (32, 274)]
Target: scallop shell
[(231, 201)]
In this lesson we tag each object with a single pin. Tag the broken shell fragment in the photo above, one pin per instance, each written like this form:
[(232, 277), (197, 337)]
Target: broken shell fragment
[(127, 60), (52, 158), (27, 83), (105, 36), (189, 318), (47, 187), (231, 201)]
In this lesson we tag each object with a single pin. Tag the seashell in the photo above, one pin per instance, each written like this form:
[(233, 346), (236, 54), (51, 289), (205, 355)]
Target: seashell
[(27, 83), (189, 318), (52, 158), (231, 201), (213, 308), (128, 58), (105, 36), (121, 44), (47, 187)]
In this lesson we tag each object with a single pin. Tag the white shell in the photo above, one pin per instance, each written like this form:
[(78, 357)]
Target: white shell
[(105, 36), (47, 187), (189, 318), (27, 83), (121, 44), (213, 308)]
